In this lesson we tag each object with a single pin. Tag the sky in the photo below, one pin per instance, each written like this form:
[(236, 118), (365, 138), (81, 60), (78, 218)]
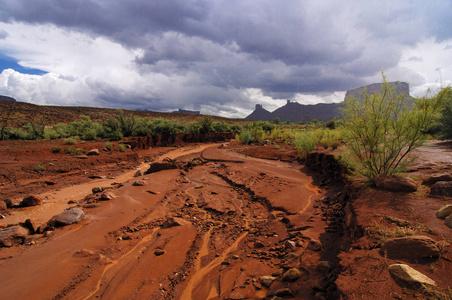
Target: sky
[(220, 57)]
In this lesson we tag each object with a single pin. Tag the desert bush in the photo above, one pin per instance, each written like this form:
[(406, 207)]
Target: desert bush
[(121, 148), (56, 149), (70, 150), (305, 142), (70, 141), (206, 125), (128, 123), (79, 151), (108, 145), (445, 120), (39, 168), (384, 128), (246, 136), (330, 138)]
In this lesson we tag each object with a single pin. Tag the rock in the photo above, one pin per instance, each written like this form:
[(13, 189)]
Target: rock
[(314, 245), (409, 277), (138, 174), (107, 196), (49, 182), (171, 222), (395, 183), (160, 166), (98, 189), (442, 188), (12, 203), (271, 216), (81, 157), (410, 248), (41, 228), (434, 179), (285, 292), (31, 200), (448, 221), (159, 252), (291, 245), (93, 152), (139, 183), (258, 245), (3, 205), (31, 225), (68, 217), (324, 265), (267, 280), (12, 235), (291, 274), (444, 211), (84, 253)]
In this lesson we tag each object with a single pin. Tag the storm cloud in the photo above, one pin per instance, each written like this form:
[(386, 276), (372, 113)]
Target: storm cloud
[(220, 57)]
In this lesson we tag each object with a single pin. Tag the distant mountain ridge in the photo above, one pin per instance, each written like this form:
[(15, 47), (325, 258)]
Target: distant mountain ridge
[(6, 98), (296, 112)]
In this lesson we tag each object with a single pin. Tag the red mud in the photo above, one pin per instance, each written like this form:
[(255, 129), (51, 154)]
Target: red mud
[(241, 212)]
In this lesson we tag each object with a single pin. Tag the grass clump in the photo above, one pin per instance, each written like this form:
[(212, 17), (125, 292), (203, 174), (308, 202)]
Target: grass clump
[(56, 149), (39, 168)]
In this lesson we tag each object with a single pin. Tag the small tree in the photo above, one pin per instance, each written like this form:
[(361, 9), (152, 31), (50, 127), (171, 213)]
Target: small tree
[(383, 128), (446, 114)]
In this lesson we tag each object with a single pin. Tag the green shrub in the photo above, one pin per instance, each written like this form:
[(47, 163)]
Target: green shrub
[(246, 136), (56, 149), (39, 168), (80, 151), (108, 145), (305, 142), (70, 150), (69, 141), (121, 148)]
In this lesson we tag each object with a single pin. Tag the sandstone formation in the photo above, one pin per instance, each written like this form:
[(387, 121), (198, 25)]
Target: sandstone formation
[(407, 276), (31, 200), (410, 248), (395, 183)]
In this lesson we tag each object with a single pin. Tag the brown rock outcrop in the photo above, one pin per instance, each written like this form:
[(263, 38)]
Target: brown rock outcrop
[(31, 200), (395, 183), (410, 248)]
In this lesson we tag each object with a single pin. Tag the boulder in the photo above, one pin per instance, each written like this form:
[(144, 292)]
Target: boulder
[(159, 252), (107, 196), (93, 152), (258, 245), (96, 190), (171, 222), (12, 235), (410, 248), (314, 245), (139, 183), (395, 183), (68, 217), (12, 203), (442, 188), (406, 276), (267, 280), (444, 211), (138, 173), (434, 179), (160, 166), (31, 225), (291, 274), (448, 221), (31, 200)]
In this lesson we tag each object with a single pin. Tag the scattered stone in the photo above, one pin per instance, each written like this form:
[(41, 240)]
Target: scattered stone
[(96, 190), (68, 217), (444, 211), (160, 166), (324, 265), (290, 245), (291, 275), (171, 222), (267, 280), (72, 202), (258, 245), (159, 252), (314, 245), (442, 188), (395, 183), (448, 221), (81, 156), (434, 179), (91, 205), (126, 237), (12, 235), (139, 183), (409, 277), (84, 253), (41, 228), (93, 152), (31, 200), (12, 203), (107, 196), (97, 176), (48, 233), (271, 216), (49, 182), (138, 173), (31, 225), (285, 292), (153, 193), (3, 205), (410, 248)]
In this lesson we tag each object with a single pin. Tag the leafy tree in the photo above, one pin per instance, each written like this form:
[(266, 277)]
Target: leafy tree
[(383, 128), (446, 114)]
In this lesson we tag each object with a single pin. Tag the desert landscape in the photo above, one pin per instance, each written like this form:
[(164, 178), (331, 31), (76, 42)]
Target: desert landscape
[(220, 220)]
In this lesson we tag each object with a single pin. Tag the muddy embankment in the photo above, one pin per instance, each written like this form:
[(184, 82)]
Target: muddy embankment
[(160, 140)]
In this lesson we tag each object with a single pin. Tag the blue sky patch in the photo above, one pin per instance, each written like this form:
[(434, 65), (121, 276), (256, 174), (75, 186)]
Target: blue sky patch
[(7, 62)]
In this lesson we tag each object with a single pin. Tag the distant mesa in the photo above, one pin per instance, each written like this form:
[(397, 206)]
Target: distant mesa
[(296, 112), (6, 98), (191, 112)]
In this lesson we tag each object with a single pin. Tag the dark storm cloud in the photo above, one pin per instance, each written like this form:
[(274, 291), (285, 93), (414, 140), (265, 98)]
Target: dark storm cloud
[(219, 46)]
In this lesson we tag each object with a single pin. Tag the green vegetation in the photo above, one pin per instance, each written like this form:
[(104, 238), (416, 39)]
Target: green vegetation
[(445, 119), (121, 148), (56, 149), (381, 130), (39, 168)]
